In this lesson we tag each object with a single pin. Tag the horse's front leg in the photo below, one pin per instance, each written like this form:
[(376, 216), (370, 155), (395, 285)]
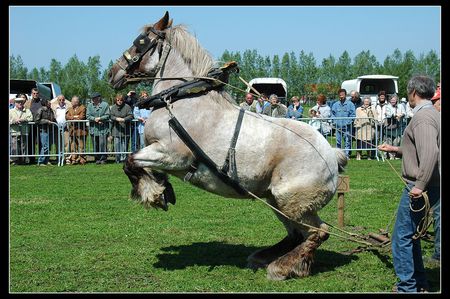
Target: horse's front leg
[(150, 187)]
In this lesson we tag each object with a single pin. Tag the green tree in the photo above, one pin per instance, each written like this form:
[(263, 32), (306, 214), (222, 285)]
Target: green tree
[(364, 64), (17, 70)]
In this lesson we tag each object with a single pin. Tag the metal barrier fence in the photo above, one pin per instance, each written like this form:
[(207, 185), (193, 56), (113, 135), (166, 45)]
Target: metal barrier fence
[(75, 141)]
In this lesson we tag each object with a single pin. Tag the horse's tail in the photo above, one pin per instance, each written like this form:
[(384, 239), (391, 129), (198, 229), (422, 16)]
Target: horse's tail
[(341, 159)]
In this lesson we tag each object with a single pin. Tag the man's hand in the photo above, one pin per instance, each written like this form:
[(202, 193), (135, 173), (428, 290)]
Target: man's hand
[(387, 148), (415, 192)]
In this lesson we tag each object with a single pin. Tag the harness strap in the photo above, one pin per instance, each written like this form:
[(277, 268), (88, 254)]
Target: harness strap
[(203, 158), (229, 166)]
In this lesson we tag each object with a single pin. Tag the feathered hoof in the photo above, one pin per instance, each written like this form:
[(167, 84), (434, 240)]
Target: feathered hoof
[(274, 272)]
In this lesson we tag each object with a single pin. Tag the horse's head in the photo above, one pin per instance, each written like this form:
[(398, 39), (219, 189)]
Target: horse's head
[(142, 58)]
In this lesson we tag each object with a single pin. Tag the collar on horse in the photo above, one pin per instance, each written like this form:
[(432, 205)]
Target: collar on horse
[(214, 80)]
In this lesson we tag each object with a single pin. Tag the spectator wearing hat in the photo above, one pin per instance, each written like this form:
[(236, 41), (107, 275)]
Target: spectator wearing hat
[(19, 117), (44, 118), (98, 114)]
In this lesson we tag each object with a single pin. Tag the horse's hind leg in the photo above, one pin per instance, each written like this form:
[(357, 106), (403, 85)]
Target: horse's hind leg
[(297, 262), (263, 257)]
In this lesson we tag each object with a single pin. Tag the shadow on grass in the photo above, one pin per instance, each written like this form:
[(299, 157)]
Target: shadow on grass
[(223, 254)]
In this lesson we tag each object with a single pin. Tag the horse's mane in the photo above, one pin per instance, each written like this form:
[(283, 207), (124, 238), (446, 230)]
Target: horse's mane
[(196, 57)]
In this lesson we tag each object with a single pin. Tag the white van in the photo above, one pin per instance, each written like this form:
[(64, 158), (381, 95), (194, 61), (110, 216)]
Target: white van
[(270, 86), (370, 85)]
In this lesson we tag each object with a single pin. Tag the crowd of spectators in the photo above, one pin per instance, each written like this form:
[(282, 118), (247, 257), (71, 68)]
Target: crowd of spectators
[(36, 124), (348, 119), (120, 127)]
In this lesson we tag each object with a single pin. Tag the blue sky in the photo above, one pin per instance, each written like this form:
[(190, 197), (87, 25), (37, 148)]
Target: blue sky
[(40, 33)]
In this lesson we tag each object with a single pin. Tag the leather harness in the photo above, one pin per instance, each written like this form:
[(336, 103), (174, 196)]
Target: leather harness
[(214, 80)]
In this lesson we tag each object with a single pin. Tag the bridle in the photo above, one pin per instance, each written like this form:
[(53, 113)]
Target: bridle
[(144, 44)]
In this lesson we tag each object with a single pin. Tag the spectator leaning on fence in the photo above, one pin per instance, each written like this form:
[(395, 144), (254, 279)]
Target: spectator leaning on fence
[(343, 109), (141, 115), (394, 122), (295, 109), (323, 112), (18, 128), (276, 109), (34, 104), (77, 131), (247, 103), (261, 104), (365, 128), (60, 107), (121, 116), (45, 119), (98, 113), (355, 98), (381, 107), (421, 170), (131, 100)]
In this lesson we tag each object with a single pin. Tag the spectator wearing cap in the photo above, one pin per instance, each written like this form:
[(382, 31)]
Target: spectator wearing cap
[(98, 115), (19, 117), (44, 118), (131, 100)]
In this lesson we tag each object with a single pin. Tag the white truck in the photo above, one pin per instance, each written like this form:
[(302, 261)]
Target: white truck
[(47, 90), (370, 85), (269, 86)]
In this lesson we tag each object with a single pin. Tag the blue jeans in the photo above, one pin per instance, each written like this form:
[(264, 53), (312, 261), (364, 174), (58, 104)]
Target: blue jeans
[(406, 252), (346, 131), (43, 135), (437, 230), (121, 145)]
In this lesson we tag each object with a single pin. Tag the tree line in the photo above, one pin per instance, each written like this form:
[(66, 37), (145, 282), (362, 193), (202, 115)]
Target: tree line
[(303, 74)]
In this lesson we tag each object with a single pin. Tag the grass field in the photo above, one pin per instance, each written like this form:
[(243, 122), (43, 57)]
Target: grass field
[(73, 229)]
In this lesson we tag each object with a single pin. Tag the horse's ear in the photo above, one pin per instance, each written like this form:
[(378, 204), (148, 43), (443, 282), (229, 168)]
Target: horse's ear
[(163, 23), (170, 23)]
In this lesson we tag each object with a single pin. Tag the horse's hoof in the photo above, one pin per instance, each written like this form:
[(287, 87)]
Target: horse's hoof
[(275, 273)]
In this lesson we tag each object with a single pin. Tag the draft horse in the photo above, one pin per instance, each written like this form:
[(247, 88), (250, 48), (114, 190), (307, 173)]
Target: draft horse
[(286, 162)]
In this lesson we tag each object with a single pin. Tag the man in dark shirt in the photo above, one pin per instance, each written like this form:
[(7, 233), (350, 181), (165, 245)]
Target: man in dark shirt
[(131, 100), (33, 138)]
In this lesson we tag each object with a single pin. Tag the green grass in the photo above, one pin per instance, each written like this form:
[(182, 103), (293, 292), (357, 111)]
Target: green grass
[(73, 229)]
